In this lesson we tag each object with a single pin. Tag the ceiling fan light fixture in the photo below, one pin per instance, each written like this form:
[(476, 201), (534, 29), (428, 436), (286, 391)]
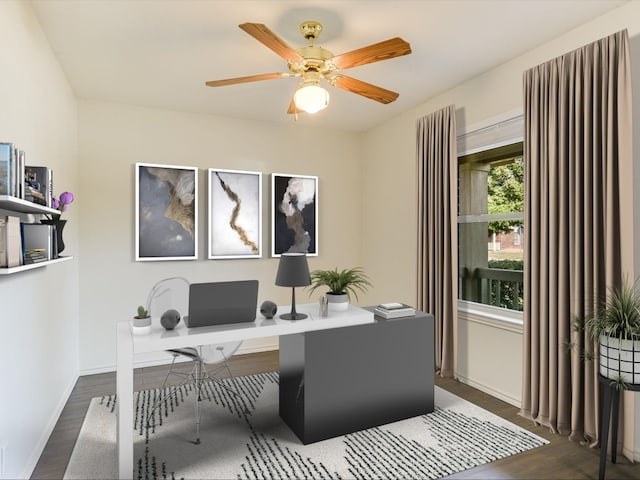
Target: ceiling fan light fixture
[(311, 98)]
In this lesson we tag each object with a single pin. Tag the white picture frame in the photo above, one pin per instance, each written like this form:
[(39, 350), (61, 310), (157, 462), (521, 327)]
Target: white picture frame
[(294, 214), (234, 214), (166, 212)]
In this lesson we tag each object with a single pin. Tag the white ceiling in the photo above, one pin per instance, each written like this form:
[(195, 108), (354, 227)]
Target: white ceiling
[(159, 53)]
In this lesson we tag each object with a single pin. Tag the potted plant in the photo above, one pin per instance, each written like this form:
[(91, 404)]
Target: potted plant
[(615, 325), (142, 321), (341, 285)]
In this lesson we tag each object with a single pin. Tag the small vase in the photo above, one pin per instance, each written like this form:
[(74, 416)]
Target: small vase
[(338, 302), (58, 227), (141, 326)]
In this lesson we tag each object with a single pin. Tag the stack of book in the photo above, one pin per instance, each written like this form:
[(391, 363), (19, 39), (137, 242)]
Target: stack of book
[(37, 240), (11, 170), (25, 243), (35, 255), (19, 180), (394, 310)]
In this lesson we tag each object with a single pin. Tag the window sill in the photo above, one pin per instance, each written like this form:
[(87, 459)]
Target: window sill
[(495, 317)]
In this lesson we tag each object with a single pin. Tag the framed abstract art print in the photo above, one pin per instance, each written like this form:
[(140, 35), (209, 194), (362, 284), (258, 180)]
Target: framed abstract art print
[(294, 214), (166, 212), (235, 214)]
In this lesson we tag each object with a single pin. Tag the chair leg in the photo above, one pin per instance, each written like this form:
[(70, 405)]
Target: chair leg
[(198, 387), (171, 394), (233, 391), (233, 379), (237, 387), (198, 376)]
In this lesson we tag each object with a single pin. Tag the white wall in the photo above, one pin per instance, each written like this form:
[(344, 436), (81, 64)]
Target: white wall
[(39, 336), (390, 193), (114, 137)]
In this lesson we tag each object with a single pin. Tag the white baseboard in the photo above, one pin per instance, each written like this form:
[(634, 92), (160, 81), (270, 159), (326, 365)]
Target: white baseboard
[(258, 348), (516, 402), (153, 359), (629, 454), (44, 438)]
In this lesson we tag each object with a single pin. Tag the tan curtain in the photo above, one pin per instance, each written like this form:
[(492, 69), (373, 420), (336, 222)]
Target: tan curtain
[(577, 134), (437, 229)]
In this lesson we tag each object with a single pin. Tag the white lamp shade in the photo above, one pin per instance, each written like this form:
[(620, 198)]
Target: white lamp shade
[(311, 98)]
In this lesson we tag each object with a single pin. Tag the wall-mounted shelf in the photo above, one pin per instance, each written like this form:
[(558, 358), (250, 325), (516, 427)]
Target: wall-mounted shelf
[(31, 266), (8, 202)]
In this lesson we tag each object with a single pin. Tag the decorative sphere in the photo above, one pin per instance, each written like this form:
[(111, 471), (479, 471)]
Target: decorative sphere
[(268, 309), (170, 319)]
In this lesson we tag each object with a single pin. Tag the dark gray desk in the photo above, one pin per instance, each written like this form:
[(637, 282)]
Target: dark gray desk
[(342, 380)]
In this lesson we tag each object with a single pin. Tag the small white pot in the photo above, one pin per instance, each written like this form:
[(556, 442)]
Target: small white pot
[(620, 359), (338, 303), (141, 326)]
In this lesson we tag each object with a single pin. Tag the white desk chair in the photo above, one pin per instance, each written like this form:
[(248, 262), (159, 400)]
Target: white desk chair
[(209, 360)]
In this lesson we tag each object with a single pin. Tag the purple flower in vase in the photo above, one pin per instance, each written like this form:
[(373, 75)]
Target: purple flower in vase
[(60, 204), (65, 199)]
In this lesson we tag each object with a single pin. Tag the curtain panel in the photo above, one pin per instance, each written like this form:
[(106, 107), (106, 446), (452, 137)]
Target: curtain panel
[(437, 229), (577, 111)]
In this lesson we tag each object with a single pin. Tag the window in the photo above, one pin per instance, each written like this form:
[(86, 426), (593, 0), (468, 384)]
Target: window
[(490, 226)]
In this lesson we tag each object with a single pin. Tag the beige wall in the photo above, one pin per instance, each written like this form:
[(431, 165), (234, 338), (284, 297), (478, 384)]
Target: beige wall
[(39, 308), (114, 137), (390, 195)]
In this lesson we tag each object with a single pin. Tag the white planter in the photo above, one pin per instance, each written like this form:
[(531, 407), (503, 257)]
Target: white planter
[(338, 303), (620, 359), (141, 326)]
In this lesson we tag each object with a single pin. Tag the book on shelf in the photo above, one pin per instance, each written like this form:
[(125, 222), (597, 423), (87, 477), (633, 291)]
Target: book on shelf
[(6, 168), (40, 182), (3, 242), (37, 241), (20, 167), (394, 310), (33, 195), (11, 244)]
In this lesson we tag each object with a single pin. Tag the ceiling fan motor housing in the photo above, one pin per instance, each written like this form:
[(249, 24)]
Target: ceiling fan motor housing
[(314, 59)]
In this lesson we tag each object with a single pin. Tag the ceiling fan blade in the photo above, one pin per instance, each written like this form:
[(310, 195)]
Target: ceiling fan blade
[(365, 89), (269, 39), (251, 78), (394, 47), (292, 108)]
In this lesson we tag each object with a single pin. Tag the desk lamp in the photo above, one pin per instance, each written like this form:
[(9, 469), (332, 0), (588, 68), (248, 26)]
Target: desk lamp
[(293, 271)]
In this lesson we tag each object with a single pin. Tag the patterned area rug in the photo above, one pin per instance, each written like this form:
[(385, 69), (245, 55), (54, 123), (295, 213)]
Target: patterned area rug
[(246, 439)]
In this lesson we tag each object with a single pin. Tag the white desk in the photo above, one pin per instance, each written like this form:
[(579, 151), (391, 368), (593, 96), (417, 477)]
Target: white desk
[(160, 339)]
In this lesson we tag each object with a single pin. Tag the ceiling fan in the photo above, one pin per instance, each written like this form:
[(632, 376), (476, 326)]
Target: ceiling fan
[(313, 63)]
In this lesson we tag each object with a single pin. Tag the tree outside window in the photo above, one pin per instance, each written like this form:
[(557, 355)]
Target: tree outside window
[(491, 206)]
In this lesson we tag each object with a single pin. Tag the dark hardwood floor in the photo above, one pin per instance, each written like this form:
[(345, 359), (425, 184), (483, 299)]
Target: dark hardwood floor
[(560, 459)]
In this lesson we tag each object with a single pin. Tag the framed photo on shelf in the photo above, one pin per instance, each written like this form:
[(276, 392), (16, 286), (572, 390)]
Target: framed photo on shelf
[(166, 212), (235, 214), (294, 214)]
